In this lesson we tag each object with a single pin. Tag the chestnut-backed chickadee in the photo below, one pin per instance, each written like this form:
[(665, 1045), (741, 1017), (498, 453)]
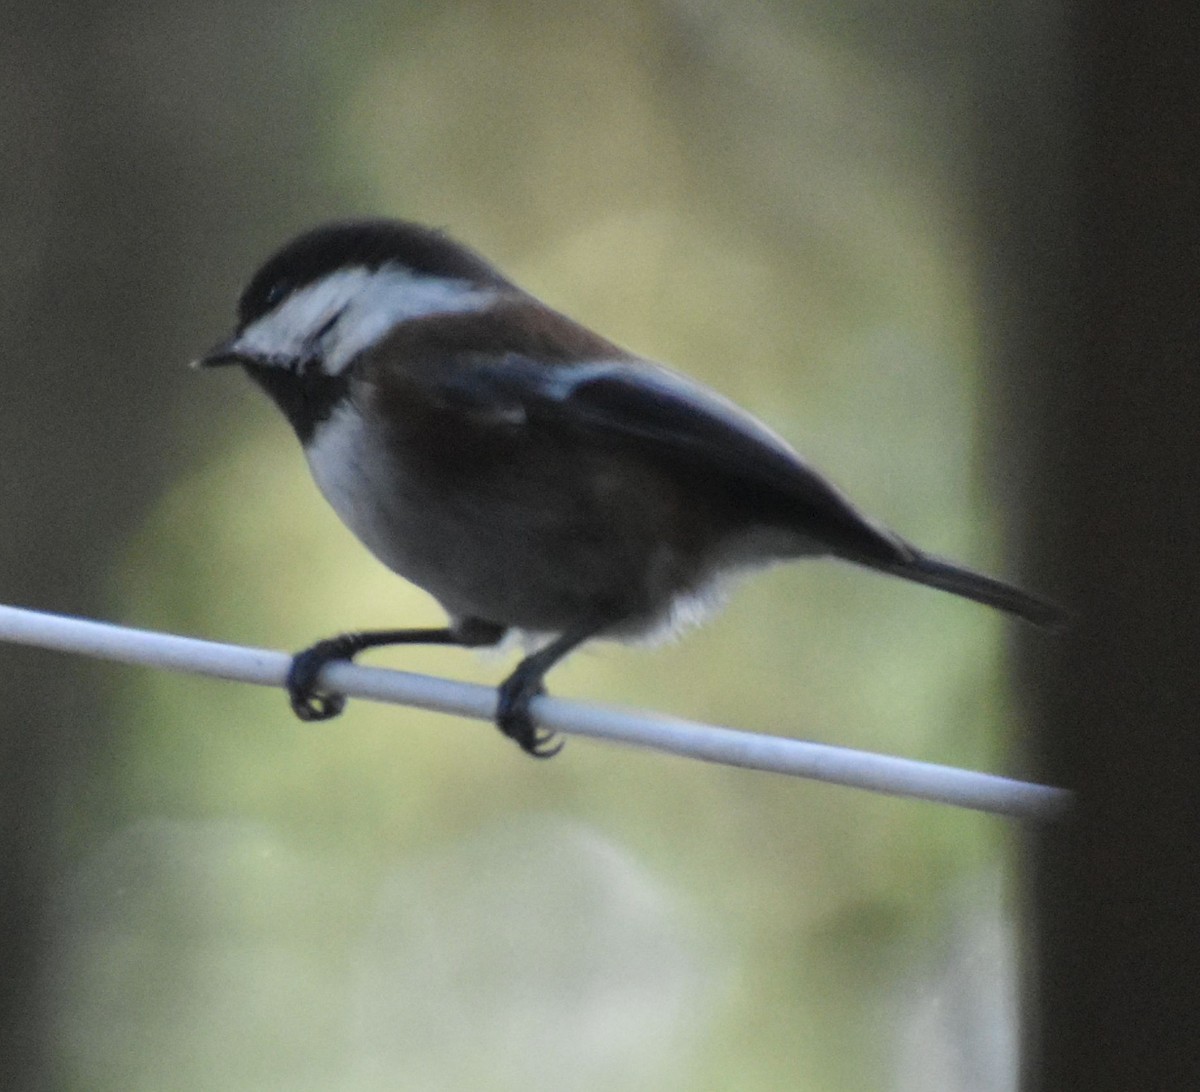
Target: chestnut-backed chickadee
[(527, 473)]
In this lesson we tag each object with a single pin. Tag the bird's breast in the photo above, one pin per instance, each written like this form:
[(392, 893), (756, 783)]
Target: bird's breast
[(365, 487), (541, 540)]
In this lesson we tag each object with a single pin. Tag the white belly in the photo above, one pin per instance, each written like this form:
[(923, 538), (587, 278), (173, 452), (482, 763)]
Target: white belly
[(357, 481)]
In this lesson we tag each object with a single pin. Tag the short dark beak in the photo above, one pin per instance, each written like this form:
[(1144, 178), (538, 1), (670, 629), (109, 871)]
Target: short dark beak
[(221, 354)]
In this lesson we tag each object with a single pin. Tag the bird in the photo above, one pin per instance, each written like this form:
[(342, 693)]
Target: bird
[(538, 480)]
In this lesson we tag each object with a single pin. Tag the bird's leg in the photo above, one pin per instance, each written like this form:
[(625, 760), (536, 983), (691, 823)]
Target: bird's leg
[(310, 704), (523, 685)]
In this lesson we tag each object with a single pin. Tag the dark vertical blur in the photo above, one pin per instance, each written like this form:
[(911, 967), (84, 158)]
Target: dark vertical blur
[(107, 204), (1111, 340)]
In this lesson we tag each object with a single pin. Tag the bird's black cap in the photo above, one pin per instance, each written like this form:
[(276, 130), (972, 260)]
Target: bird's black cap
[(361, 243)]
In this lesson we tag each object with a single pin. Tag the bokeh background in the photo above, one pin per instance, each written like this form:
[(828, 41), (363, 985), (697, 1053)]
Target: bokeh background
[(856, 220)]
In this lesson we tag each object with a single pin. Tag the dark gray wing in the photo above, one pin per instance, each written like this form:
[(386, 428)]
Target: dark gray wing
[(675, 421)]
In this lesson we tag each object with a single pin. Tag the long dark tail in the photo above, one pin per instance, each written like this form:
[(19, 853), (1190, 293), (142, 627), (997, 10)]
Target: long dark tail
[(937, 573)]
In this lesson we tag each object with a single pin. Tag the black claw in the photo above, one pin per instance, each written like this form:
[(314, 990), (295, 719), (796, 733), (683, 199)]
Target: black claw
[(515, 721), (307, 702), (545, 744), (315, 707)]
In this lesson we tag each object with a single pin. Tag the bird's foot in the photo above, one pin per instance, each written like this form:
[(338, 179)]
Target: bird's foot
[(308, 703), (514, 719)]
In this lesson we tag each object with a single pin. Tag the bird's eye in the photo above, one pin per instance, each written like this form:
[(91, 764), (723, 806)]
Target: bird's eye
[(276, 293)]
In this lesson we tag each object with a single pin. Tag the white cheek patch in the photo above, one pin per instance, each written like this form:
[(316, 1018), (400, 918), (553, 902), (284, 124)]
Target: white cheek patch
[(359, 306), (393, 295), (287, 333)]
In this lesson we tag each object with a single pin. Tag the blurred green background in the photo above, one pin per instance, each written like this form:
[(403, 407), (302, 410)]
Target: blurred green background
[(775, 198)]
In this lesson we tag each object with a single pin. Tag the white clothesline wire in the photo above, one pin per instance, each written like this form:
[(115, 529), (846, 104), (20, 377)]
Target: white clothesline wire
[(799, 758)]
